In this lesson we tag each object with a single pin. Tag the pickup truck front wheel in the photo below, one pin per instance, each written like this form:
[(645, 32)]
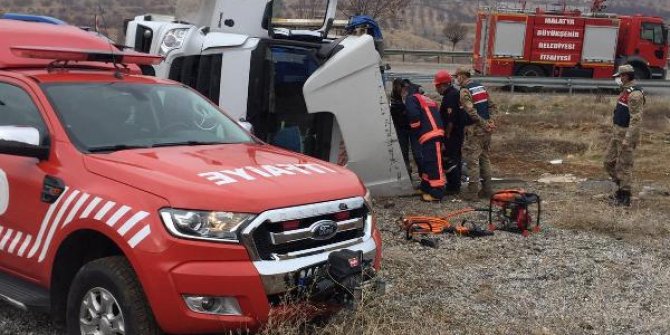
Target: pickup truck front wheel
[(106, 299)]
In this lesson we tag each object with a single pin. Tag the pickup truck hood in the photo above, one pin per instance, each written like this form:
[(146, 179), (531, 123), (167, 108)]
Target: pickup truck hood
[(247, 178)]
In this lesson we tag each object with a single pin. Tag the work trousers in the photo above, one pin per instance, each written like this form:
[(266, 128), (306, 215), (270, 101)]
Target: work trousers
[(619, 158), (476, 155), (432, 177)]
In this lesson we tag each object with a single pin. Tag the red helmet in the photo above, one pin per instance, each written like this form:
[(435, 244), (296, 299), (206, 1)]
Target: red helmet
[(443, 77)]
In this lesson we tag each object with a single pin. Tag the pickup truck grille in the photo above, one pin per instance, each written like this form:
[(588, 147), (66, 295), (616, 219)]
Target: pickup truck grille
[(295, 236)]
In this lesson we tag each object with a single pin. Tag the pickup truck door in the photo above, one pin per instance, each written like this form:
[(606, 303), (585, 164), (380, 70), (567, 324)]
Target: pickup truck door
[(22, 183), (350, 86)]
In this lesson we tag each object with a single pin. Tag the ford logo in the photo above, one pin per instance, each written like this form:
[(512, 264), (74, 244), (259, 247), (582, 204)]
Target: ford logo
[(324, 230)]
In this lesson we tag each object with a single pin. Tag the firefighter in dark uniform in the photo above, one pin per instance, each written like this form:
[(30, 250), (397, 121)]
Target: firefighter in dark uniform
[(401, 124), (454, 119), (619, 159), (426, 123)]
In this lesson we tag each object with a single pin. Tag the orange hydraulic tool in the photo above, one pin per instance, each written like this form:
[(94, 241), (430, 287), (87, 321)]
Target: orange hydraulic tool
[(427, 227)]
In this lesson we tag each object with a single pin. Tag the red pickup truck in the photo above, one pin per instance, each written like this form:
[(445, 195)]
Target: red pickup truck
[(133, 205)]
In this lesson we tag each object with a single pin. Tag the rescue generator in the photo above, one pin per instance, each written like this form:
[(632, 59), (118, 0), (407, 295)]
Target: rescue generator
[(514, 40), (514, 210)]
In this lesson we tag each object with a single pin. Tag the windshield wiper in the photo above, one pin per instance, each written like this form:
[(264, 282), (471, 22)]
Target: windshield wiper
[(116, 147), (186, 143)]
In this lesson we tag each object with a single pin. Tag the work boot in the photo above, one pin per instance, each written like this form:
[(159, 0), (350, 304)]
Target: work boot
[(624, 200), (616, 197), (429, 198), (472, 193)]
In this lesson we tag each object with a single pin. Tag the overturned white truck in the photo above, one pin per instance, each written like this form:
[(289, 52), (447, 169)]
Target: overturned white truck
[(300, 89)]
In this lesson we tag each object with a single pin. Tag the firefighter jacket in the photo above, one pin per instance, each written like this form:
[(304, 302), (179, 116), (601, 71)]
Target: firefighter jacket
[(424, 117)]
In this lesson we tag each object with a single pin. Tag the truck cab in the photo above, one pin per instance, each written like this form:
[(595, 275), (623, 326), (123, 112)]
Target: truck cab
[(643, 43), (131, 204), (302, 90)]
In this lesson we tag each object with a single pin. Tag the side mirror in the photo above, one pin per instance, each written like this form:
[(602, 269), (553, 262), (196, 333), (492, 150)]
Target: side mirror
[(246, 125), (22, 141)]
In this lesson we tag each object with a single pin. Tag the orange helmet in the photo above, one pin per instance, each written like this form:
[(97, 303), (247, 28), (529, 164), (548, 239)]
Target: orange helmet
[(442, 77)]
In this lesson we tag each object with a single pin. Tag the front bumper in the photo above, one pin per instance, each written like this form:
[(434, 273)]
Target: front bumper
[(280, 277), (253, 284)]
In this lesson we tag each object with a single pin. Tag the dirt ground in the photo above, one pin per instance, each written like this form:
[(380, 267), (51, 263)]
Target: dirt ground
[(593, 269)]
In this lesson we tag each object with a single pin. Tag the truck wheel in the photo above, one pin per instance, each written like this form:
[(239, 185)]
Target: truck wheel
[(106, 298), (641, 72), (531, 71)]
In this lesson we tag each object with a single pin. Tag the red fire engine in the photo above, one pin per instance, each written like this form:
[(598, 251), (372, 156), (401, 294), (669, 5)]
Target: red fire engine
[(568, 43)]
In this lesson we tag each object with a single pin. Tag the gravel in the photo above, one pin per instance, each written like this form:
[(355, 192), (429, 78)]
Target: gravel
[(571, 280)]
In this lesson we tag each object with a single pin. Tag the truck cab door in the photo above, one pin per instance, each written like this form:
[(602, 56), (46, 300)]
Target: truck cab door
[(653, 47), (350, 87), (22, 182)]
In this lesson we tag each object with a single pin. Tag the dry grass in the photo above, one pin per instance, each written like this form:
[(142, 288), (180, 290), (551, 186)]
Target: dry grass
[(594, 269)]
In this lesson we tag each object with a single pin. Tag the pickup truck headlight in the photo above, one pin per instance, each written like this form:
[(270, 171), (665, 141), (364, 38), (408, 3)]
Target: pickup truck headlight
[(200, 225), (174, 39)]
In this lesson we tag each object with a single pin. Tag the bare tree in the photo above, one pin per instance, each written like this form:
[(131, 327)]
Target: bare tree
[(307, 9), (377, 9), (455, 33)]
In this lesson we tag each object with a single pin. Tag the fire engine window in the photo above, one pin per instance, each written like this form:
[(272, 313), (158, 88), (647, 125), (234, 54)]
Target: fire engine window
[(653, 32), (18, 109)]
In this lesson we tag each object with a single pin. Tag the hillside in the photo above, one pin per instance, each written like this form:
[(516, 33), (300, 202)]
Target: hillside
[(427, 18), (82, 12), (423, 18)]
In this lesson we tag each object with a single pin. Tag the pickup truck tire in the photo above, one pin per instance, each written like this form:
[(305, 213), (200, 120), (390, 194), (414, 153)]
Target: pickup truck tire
[(109, 287)]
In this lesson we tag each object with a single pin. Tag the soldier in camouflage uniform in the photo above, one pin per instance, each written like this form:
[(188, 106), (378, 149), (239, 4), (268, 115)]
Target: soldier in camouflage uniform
[(627, 119), (477, 103)]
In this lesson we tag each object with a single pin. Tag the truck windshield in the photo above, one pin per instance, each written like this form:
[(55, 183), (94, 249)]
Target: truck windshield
[(307, 13), (654, 32), (106, 117)]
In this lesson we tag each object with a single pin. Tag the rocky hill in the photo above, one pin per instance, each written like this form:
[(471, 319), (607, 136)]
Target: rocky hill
[(420, 25)]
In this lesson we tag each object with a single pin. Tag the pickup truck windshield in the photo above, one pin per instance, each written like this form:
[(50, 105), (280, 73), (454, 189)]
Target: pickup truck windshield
[(107, 117)]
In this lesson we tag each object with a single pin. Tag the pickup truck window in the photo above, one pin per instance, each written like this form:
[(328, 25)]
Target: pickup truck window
[(18, 109), (106, 117)]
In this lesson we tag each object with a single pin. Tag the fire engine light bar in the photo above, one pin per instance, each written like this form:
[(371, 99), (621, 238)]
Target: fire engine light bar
[(80, 55)]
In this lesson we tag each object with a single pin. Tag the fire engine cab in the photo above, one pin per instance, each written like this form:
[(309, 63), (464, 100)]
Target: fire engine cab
[(516, 41), (133, 205)]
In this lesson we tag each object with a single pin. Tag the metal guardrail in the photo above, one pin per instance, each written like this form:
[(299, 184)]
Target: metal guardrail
[(306, 23), (570, 84), (428, 53), (438, 53)]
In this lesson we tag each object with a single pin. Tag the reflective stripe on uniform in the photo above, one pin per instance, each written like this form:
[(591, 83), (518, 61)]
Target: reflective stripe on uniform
[(426, 109), (479, 94), (430, 135)]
